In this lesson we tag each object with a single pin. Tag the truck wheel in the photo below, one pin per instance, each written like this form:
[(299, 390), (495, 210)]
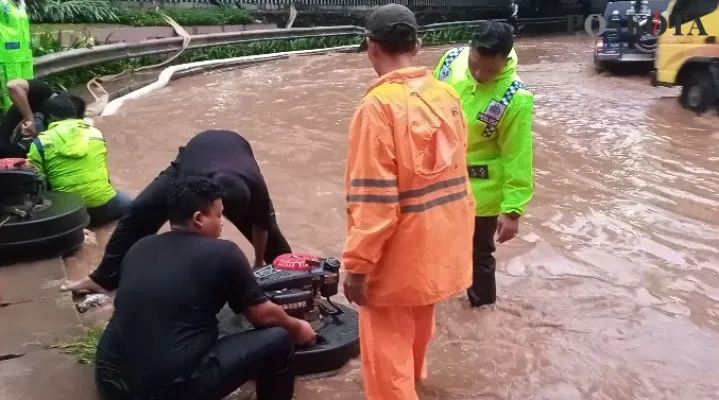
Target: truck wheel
[(698, 93), (599, 67)]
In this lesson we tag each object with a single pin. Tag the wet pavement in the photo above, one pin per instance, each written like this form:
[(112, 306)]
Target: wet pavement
[(36, 314), (611, 290)]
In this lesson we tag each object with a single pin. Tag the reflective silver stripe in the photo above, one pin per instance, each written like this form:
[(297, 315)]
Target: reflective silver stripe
[(373, 198), (432, 188), (409, 194), (439, 201), (94, 133), (376, 183), (446, 68)]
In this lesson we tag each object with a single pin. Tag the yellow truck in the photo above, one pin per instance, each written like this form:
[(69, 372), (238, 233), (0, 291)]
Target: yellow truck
[(688, 53)]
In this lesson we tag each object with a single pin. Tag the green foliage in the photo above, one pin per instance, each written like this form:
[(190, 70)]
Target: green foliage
[(454, 35), (82, 347), (71, 11), (48, 42), (184, 17), (106, 11)]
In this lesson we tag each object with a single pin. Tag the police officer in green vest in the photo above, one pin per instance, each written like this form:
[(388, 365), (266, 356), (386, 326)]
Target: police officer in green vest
[(15, 47), (499, 112)]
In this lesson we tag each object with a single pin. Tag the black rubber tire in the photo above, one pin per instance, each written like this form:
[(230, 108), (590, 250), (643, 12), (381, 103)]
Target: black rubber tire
[(600, 66), (55, 231), (342, 341), (698, 92)]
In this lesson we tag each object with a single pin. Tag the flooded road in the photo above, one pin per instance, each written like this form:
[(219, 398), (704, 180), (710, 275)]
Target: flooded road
[(611, 290)]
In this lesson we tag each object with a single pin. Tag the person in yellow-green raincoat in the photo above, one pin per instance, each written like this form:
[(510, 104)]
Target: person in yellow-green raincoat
[(16, 50), (72, 156), (499, 111)]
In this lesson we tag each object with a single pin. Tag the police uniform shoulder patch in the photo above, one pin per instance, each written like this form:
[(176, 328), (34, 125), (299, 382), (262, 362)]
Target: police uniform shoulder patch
[(446, 69), (496, 109)]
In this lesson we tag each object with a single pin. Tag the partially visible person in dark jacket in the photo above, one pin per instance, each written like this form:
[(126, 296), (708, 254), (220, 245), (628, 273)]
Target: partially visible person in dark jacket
[(26, 117)]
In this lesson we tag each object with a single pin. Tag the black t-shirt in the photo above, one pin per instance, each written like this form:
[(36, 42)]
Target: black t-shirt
[(172, 286), (38, 92), (228, 158)]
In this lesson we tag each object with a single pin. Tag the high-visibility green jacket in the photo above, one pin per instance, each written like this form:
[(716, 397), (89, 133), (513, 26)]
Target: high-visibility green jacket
[(15, 47), (73, 157), (499, 148)]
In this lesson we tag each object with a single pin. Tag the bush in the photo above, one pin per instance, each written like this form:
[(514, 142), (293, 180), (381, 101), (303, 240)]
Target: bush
[(185, 17), (71, 11), (103, 11)]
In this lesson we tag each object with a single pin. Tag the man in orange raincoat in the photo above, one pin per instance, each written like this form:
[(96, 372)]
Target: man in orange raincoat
[(410, 207)]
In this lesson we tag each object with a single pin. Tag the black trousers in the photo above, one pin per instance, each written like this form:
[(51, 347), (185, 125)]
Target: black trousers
[(146, 215), (484, 286), (265, 356)]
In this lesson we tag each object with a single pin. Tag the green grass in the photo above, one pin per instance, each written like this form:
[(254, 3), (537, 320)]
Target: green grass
[(81, 347)]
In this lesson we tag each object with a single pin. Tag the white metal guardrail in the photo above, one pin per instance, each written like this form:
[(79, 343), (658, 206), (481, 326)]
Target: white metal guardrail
[(77, 58)]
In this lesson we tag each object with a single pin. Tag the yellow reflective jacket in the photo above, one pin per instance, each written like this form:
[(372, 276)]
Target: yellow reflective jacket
[(73, 157)]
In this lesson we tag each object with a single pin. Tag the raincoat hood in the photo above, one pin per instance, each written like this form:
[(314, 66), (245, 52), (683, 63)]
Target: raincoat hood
[(70, 138), (432, 139)]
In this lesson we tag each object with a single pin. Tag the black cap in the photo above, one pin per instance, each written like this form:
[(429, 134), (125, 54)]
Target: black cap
[(391, 23)]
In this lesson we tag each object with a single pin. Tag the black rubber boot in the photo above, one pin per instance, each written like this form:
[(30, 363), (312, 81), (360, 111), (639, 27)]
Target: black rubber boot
[(484, 293)]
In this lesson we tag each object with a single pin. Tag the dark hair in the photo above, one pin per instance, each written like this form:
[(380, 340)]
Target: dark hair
[(80, 105), (189, 196), (394, 48), (58, 108), (493, 38)]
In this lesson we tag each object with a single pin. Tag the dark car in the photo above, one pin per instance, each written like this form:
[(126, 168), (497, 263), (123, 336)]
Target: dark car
[(625, 40)]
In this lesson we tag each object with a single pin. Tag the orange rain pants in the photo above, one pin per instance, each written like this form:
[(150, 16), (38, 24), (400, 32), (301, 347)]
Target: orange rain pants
[(410, 222), (393, 346)]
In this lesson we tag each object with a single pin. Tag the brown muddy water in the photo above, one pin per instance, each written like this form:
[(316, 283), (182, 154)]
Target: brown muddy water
[(611, 290)]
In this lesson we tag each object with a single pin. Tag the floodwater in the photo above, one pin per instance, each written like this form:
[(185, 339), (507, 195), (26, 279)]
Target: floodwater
[(611, 290)]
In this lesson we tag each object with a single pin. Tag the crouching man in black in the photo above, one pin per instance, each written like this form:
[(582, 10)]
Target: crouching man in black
[(162, 340), (227, 158)]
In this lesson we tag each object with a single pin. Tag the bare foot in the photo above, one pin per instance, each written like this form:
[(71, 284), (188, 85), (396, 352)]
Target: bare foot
[(85, 285)]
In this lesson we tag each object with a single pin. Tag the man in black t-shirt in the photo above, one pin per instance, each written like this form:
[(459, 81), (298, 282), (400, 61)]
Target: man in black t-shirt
[(227, 158), (162, 340), (26, 114)]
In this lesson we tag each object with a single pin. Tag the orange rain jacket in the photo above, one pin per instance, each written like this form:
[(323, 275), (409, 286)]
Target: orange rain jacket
[(409, 202)]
